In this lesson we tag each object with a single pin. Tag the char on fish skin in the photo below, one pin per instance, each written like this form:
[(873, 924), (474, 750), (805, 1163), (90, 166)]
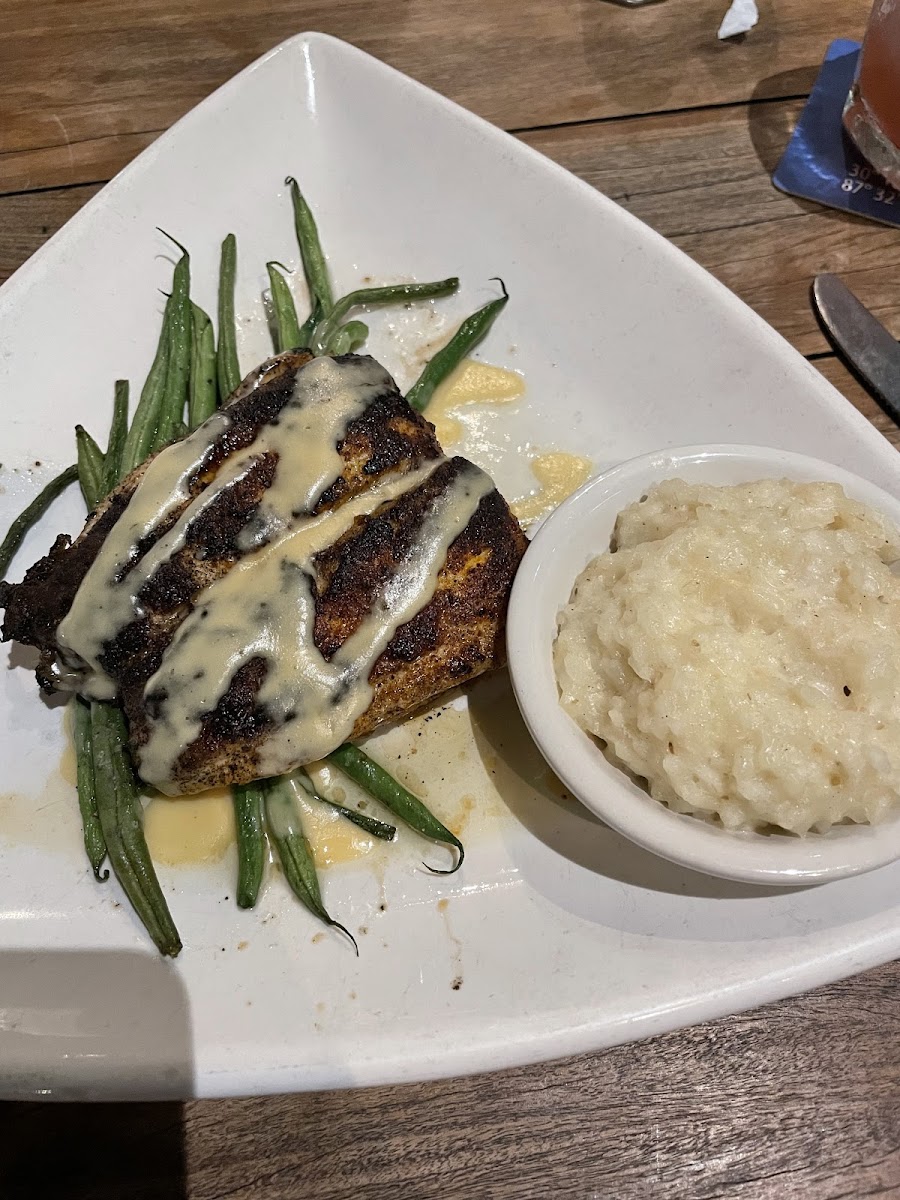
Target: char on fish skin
[(459, 634)]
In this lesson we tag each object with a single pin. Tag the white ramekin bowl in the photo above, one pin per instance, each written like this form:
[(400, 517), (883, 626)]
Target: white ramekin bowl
[(575, 533)]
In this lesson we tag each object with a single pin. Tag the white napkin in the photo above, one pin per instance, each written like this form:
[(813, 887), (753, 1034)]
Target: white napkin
[(740, 18)]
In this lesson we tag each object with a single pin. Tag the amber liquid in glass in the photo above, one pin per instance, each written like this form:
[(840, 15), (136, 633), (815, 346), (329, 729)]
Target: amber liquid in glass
[(879, 72), (872, 111)]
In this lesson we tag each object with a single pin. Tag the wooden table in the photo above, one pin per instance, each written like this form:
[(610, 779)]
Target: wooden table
[(801, 1099)]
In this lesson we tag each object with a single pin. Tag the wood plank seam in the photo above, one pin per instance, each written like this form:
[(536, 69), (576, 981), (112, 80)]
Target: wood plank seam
[(684, 109), (78, 142)]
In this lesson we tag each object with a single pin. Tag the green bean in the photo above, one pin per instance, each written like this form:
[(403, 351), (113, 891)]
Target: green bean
[(94, 841), (117, 433), (379, 829), (249, 820), (466, 338), (228, 368), (248, 799), (393, 795), (339, 344), (308, 328), (358, 331), (287, 327), (315, 267), (203, 395), (32, 514), (178, 366), (251, 841), (249, 802), (91, 468), (348, 338), (121, 819), (395, 293), (294, 851), (145, 422)]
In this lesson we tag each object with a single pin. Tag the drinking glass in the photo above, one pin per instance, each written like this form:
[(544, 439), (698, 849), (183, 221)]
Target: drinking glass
[(872, 110)]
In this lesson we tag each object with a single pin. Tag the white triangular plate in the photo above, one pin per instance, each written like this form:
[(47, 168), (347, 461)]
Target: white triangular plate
[(556, 936)]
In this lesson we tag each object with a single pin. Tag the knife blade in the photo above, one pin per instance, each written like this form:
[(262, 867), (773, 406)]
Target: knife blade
[(870, 349)]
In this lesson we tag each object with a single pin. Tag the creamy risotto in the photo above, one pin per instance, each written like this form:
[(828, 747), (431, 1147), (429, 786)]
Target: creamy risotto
[(740, 650)]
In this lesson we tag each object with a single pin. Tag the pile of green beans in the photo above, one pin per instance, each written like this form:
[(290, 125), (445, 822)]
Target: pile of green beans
[(192, 373), (109, 796)]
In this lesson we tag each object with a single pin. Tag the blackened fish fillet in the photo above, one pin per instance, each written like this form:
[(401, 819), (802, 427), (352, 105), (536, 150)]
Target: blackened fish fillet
[(456, 636)]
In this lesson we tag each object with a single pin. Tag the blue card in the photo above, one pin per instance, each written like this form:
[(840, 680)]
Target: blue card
[(820, 162)]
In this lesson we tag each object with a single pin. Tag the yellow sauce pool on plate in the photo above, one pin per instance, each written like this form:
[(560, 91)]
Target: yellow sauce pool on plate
[(472, 382), (559, 475), (190, 830), (332, 837)]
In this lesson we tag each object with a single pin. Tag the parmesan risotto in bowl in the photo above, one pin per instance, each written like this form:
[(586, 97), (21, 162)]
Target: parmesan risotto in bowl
[(705, 644)]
